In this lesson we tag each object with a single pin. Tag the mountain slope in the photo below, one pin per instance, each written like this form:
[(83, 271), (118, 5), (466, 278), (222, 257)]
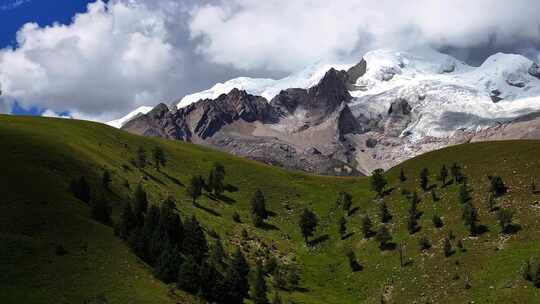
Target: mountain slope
[(38, 213), (401, 104)]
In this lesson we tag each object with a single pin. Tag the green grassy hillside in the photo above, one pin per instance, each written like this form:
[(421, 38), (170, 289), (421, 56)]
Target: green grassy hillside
[(40, 156)]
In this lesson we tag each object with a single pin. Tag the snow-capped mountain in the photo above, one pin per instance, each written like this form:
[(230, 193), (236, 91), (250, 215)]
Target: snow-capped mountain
[(390, 106)]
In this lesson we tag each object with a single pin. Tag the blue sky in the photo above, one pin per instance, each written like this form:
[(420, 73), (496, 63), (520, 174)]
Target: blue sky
[(14, 14), (43, 12)]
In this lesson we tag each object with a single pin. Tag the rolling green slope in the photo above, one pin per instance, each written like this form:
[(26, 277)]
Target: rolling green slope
[(40, 156)]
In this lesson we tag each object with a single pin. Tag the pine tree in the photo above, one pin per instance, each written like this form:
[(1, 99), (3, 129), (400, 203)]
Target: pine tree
[(106, 179), (424, 243), (412, 223), (259, 287), (448, 251), (235, 281), (81, 189), (308, 222), (497, 186), (424, 179), (378, 181), (367, 227), (505, 216), (167, 265), (101, 210), (127, 221), (491, 202), (437, 221), (211, 282), (470, 216), (216, 179), (342, 226), (386, 216), (188, 275), (383, 237), (159, 157), (194, 241), (434, 195), (464, 194), (151, 222), (443, 175), (169, 230), (344, 201), (218, 257), (140, 204), (194, 190), (141, 158), (258, 208), (455, 171), (402, 176), (353, 262), (271, 266)]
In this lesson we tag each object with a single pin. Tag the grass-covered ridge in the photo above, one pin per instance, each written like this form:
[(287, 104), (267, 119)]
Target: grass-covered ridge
[(40, 156)]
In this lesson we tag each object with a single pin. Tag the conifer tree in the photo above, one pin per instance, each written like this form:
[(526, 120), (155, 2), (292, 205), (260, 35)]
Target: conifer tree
[(106, 179), (151, 222), (159, 157), (497, 186), (464, 194), (308, 222), (424, 243), (81, 189), (383, 237), (471, 218), (259, 287), (258, 208), (455, 171), (344, 201), (434, 195), (424, 179), (236, 281), (386, 216), (194, 240), (127, 221), (447, 247), (218, 257), (378, 181), (505, 216), (216, 179), (194, 190), (367, 227), (437, 221), (140, 203), (141, 158), (491, 202), (101, 210), (188, 275), (211, 282), (353, 262), (443, 175), (402, 176), (342, 226), (168, 264)]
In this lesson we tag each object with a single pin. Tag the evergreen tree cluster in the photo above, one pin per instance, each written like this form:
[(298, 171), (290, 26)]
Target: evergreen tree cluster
[(179, 252)]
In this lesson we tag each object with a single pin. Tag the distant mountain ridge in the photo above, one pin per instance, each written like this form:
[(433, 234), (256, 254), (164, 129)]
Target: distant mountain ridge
[(350, 119)]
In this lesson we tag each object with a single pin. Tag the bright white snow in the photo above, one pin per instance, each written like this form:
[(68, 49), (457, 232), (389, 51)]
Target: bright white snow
[(118, 123), (265, 87)]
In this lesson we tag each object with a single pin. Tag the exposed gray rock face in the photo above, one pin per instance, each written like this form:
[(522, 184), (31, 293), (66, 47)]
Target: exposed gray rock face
[(534, 70), (324, 130), (302, 129)]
